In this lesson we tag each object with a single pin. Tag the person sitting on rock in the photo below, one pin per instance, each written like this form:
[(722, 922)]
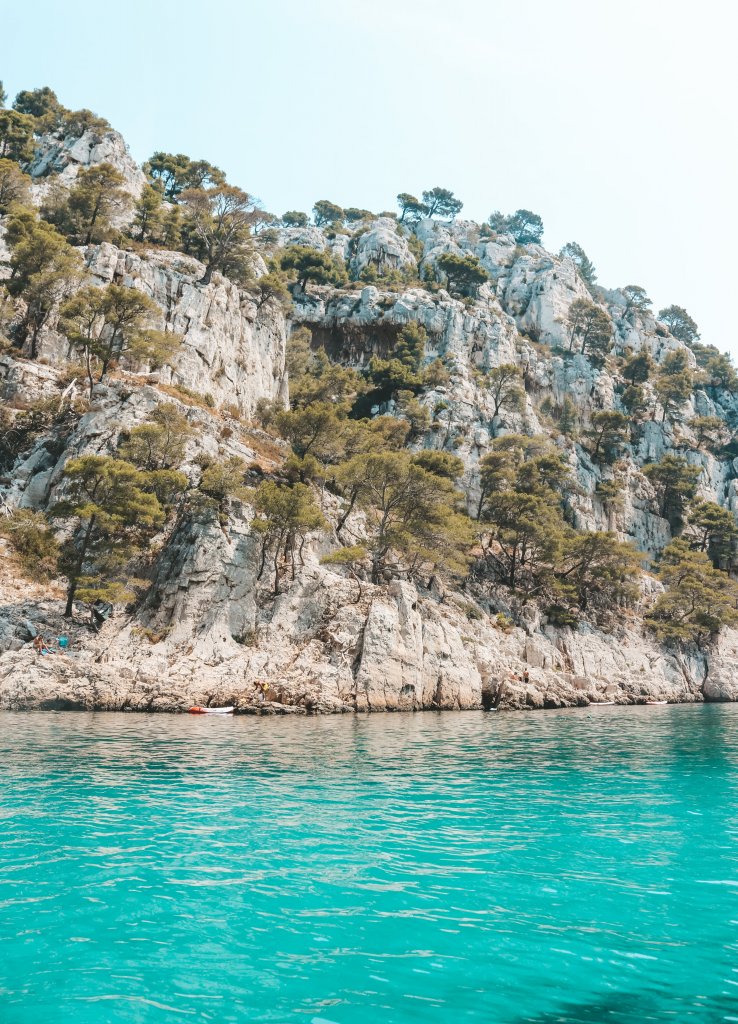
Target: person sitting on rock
[(40, 646)]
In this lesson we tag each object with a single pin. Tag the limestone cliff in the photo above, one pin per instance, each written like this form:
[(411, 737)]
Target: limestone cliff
[(208, 629)]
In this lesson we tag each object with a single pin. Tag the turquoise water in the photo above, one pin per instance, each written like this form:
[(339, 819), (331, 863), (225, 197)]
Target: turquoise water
[(553, 867)]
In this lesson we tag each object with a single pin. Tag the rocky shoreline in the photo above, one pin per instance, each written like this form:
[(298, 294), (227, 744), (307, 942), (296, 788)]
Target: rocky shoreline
[(321, 652)]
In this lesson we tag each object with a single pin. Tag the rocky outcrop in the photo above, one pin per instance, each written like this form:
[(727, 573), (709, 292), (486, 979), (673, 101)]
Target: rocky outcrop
[(233, 350), (60, 158)]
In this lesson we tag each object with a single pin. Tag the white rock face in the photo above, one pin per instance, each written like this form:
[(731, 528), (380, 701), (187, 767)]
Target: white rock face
[(383, 247), (65, 157), (233, 350)]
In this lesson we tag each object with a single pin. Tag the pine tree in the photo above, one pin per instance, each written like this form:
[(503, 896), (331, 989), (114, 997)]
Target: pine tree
[(503, 385), (590, 327), (113, 514), (148, 219), (464, 274), (412, 524), (44, 269), (680, 324), (326, 212), (16, 135), (312, 265), (608, 433), (711, 528), (675, 481), (583, 263), (699, 599), (441, 202), (221, 219), (95, 198), (285, 516), (161, 442), (108, 324), (14, 186)]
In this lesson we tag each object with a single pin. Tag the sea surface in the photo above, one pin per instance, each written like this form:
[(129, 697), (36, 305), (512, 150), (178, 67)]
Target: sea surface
[(574, 866)]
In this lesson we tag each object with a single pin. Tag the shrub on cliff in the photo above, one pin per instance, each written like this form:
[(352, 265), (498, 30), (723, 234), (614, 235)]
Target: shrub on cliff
[(33, 541), (14, 185)]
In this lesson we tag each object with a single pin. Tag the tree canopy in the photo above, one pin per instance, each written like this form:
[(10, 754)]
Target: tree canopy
[(221, 219), (312, 265), (585, 266), (680, 324), (463, 273), (86, 214), (699, 599), (441, 202), (675, 481), (326, 212), (175, 173), (112, 513), (525, 226), (589, 327)]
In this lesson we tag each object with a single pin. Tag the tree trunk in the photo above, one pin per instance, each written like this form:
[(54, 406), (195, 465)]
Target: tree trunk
[(262, 561), (77, 572), (90, 378), (71, 591), (342, 521)]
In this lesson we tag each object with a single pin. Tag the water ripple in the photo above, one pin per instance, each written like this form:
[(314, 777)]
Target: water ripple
[(564, 867)]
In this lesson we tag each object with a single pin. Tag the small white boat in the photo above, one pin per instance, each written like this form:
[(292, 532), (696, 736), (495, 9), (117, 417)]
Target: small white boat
[(657, 702), (600, 703), (198, 710)]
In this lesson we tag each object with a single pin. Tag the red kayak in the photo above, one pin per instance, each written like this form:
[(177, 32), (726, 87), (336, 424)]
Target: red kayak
[(197, 710)]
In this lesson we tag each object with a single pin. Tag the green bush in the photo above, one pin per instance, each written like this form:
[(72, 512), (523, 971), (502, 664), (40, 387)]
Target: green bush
[(35, 544)]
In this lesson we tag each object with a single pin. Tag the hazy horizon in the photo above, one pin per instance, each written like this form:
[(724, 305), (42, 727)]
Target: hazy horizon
[(614, 124)]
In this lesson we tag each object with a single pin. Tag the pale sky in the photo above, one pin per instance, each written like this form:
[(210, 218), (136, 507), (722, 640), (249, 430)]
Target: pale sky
[(613, 119)]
